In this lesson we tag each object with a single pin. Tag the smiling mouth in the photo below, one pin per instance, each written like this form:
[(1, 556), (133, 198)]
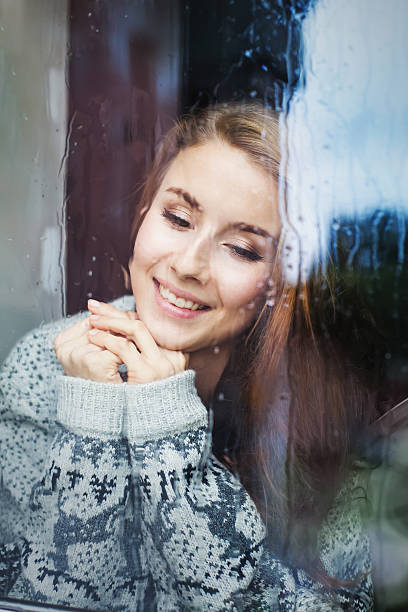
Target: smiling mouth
[(180, 302)]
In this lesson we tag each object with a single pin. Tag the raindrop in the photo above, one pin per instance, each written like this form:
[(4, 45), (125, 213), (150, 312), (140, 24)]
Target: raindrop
[(216, 350), (90, 273), (221, 396), (93, 258)]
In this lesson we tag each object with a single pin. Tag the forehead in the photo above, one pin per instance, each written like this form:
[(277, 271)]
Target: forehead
[(223, 180)]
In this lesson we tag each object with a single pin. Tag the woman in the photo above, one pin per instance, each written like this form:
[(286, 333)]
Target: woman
[(128, 497)]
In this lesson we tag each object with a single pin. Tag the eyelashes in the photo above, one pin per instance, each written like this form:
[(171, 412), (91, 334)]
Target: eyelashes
[(178, 222), (175, 219), (245, 253)]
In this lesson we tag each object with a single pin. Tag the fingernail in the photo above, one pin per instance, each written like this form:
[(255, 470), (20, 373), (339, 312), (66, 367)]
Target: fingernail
[(93, 332), (93, 303), (94, 317)]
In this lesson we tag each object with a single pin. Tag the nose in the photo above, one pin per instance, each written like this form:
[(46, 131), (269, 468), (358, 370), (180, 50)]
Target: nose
[(192, 259)]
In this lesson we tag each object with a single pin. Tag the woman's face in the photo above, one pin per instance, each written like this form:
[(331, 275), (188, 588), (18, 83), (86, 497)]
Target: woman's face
[(204, 252)]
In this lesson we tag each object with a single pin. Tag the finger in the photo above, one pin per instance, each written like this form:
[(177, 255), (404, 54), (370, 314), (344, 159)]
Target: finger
[(123, 349), (107, 310), (80, 328), (135, 330)]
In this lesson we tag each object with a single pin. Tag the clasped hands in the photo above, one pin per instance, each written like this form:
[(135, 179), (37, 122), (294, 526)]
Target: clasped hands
[(95, 347)]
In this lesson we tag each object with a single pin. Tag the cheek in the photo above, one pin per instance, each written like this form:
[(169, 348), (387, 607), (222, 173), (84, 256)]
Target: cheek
[(242, 290), (148, 245)]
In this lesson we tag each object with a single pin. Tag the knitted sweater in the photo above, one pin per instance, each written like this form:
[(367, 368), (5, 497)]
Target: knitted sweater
[(111, 499)]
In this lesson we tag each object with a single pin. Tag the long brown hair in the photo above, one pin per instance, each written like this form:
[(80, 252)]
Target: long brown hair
[(300, 403)]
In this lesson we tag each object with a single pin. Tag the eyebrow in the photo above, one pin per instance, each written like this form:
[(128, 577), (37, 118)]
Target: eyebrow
[(186, 196), (252, 229), (243, 227)]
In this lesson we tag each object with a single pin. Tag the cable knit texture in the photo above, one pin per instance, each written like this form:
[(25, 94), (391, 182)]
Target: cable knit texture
[(111, 499)]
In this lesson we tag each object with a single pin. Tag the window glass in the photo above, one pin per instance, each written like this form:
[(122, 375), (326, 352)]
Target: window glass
[(234, 434)]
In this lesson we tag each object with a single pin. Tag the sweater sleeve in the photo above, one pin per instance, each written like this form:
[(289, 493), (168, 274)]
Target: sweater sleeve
[(203, 534), (67, 523), (80, 545), (27, 417)]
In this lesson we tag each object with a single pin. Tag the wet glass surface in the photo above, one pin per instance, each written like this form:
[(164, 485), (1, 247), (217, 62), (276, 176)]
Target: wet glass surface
[(88, 89)]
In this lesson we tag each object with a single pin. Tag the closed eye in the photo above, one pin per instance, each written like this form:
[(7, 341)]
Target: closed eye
[(244, 253), (175, 220)]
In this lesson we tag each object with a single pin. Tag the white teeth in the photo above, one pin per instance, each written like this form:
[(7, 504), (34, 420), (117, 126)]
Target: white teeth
[(180, 302)]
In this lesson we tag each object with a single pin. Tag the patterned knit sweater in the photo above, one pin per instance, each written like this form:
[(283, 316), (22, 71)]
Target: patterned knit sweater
[(111, 499)]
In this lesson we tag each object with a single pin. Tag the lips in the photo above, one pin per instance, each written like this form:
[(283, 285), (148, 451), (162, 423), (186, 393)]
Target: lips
[(179, 298)]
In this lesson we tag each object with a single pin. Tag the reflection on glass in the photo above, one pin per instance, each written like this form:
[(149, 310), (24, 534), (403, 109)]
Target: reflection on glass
[(212, 439)]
